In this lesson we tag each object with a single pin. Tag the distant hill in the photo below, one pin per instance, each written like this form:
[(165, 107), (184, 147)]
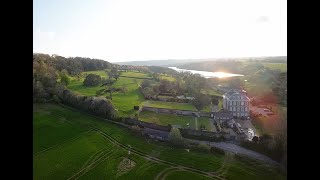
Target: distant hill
[(177, 62), (162, 63), (238, 65)]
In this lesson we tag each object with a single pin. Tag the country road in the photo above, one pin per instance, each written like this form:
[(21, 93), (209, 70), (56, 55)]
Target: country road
[(239, 150)]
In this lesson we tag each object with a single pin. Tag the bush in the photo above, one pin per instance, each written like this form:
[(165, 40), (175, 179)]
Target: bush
[(136, 107), (65, 79), (95, 105), (92, 80), (175, 138), (203, 147), (217, 150), (56, 99), (100, 92)]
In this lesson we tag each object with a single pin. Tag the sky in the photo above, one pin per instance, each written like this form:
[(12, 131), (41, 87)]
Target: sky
[(127, 30)]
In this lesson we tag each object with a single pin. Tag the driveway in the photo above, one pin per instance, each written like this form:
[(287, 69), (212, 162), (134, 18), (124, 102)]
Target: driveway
[(240, 150)]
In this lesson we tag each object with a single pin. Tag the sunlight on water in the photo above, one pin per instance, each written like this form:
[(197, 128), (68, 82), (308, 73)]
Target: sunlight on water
[(207, 74)]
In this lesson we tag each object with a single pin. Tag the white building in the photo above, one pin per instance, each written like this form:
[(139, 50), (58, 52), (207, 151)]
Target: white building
[(237, 102)]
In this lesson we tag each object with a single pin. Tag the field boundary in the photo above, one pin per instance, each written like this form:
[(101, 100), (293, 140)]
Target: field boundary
[(125, 125), (146, 156)]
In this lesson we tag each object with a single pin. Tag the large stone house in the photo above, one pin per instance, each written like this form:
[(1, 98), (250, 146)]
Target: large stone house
[(237, 102)]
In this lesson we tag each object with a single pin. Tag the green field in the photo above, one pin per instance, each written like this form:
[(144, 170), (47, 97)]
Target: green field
[(169, 105), (88, 153), (167, 77), (165, 119), (281, 66), (211, 92), (135, 74), (101, 73), (123, 102)]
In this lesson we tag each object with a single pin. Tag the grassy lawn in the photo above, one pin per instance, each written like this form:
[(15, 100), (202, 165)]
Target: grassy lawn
[(65, 160), (45, 131), (281, 66), (135, 74), (169, 105), (211, 92), (206, 122), (77, 86), (123, 102), (45, 128), (165, 119), (166, 77), (97, 158)]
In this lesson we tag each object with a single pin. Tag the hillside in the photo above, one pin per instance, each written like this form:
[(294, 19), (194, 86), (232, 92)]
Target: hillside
[(178, 62), (86, 147)]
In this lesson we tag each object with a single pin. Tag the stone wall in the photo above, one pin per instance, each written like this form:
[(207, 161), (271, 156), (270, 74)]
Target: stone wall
[(143, 124), (176, 111), (207, 135)]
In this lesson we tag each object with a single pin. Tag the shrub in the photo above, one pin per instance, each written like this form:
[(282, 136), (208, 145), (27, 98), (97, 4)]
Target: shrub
[(56, 99), (202, 147), (175, 138), (217, 150), (92, 80), (95, 105), (65, 79)]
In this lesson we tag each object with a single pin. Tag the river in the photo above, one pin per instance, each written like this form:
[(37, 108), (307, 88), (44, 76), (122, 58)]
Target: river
[(207, 74)]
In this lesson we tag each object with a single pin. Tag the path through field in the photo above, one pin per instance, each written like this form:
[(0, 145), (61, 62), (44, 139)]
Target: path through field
[(229, 147), (136, 152)]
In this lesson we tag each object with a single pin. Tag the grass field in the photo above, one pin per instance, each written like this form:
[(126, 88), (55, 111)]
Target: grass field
[(167, 77), (281, 66), (169, 105), (165, 119), (88, 154), (211, 92), (123, 102), (135, 74)]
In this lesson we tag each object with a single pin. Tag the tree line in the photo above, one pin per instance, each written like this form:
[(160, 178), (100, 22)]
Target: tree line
[(186, 84), (46, 88), (73, 65)]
